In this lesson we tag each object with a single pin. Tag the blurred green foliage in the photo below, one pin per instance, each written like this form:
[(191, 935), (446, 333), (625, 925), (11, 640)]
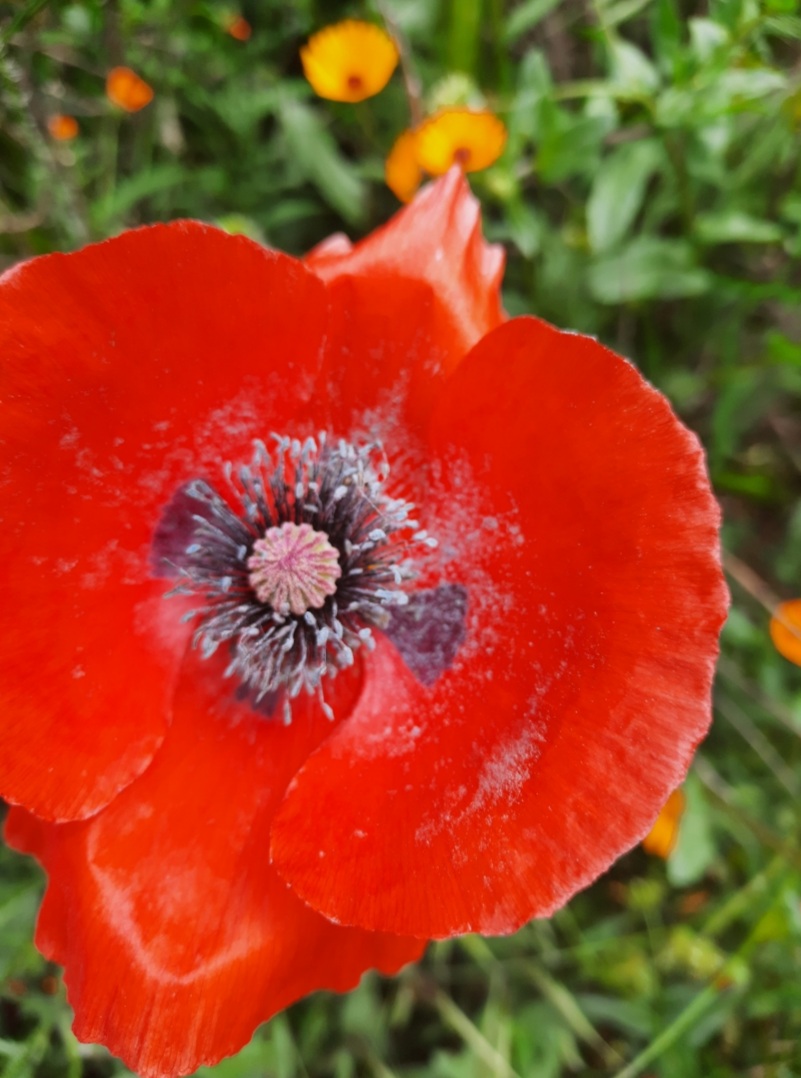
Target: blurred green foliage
[(650, 194)]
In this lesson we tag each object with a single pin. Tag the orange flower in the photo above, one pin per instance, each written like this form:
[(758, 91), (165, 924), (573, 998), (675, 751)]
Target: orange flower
[(349, 61), (662, 837), (127, 90), (402, 170), (62, 128), (238, 27), (785, 630), (471, 138)]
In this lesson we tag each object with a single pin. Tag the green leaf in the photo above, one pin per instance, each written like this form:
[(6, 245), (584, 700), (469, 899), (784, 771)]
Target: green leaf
[(533, 85), (667, 33), (618, 190), (28, 12), (239, 224), (464, 33), (568, 145), (629, 1016), (616, 13), (782, 350), (648, 268), (732, 226), (631, 69), (526, 17), (695, 850), (317, 155), (750, 83), (109, 211), (707, 38), (788, 26), (287, 211), (525, 227)]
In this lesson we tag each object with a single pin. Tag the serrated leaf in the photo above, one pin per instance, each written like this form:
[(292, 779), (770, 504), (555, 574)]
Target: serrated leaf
[(618, 190)]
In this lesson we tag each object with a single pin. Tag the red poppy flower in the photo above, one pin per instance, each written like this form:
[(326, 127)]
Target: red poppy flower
[(445, 602)]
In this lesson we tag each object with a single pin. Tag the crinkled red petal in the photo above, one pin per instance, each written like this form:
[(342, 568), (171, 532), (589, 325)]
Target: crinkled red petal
[(576, 511), (177, 935), (128, 368), (437, 238)]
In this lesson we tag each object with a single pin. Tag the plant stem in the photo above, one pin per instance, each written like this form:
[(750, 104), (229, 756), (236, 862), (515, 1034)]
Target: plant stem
[(411, 82)]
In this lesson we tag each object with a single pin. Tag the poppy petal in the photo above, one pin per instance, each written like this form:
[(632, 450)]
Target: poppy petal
[(437, 239), (401, 343), (164, 908), (575, 511), (129, 368)]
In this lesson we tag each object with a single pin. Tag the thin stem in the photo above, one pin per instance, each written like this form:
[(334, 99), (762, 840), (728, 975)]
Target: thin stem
[(60, 197), (668, 1037), (411, 83), (753, 736), (756, 587), (723, 794), (458, 1021), (675, 152), (750, 581), (687, 1018), (730, 672)]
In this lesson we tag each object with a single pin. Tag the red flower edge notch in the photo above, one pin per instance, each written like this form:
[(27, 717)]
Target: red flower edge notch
[(456, 707)]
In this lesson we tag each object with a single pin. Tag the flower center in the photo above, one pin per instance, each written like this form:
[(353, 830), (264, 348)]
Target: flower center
[(293, 568), (462, 156), (299, 564), (355, 83)]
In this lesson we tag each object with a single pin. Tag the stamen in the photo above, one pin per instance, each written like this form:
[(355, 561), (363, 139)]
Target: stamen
[(296, 566)]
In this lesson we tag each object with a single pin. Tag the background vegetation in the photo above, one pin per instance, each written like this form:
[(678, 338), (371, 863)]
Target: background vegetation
[(650, 194)]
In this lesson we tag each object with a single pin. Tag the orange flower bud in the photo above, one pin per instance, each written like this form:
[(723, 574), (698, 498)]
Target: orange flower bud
[(62, 128), (238, 27), (127, 90)]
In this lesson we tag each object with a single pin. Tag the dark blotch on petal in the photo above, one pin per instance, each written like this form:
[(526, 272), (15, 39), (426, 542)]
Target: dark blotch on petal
[(429, 630), (175, 531), (264, 705)]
